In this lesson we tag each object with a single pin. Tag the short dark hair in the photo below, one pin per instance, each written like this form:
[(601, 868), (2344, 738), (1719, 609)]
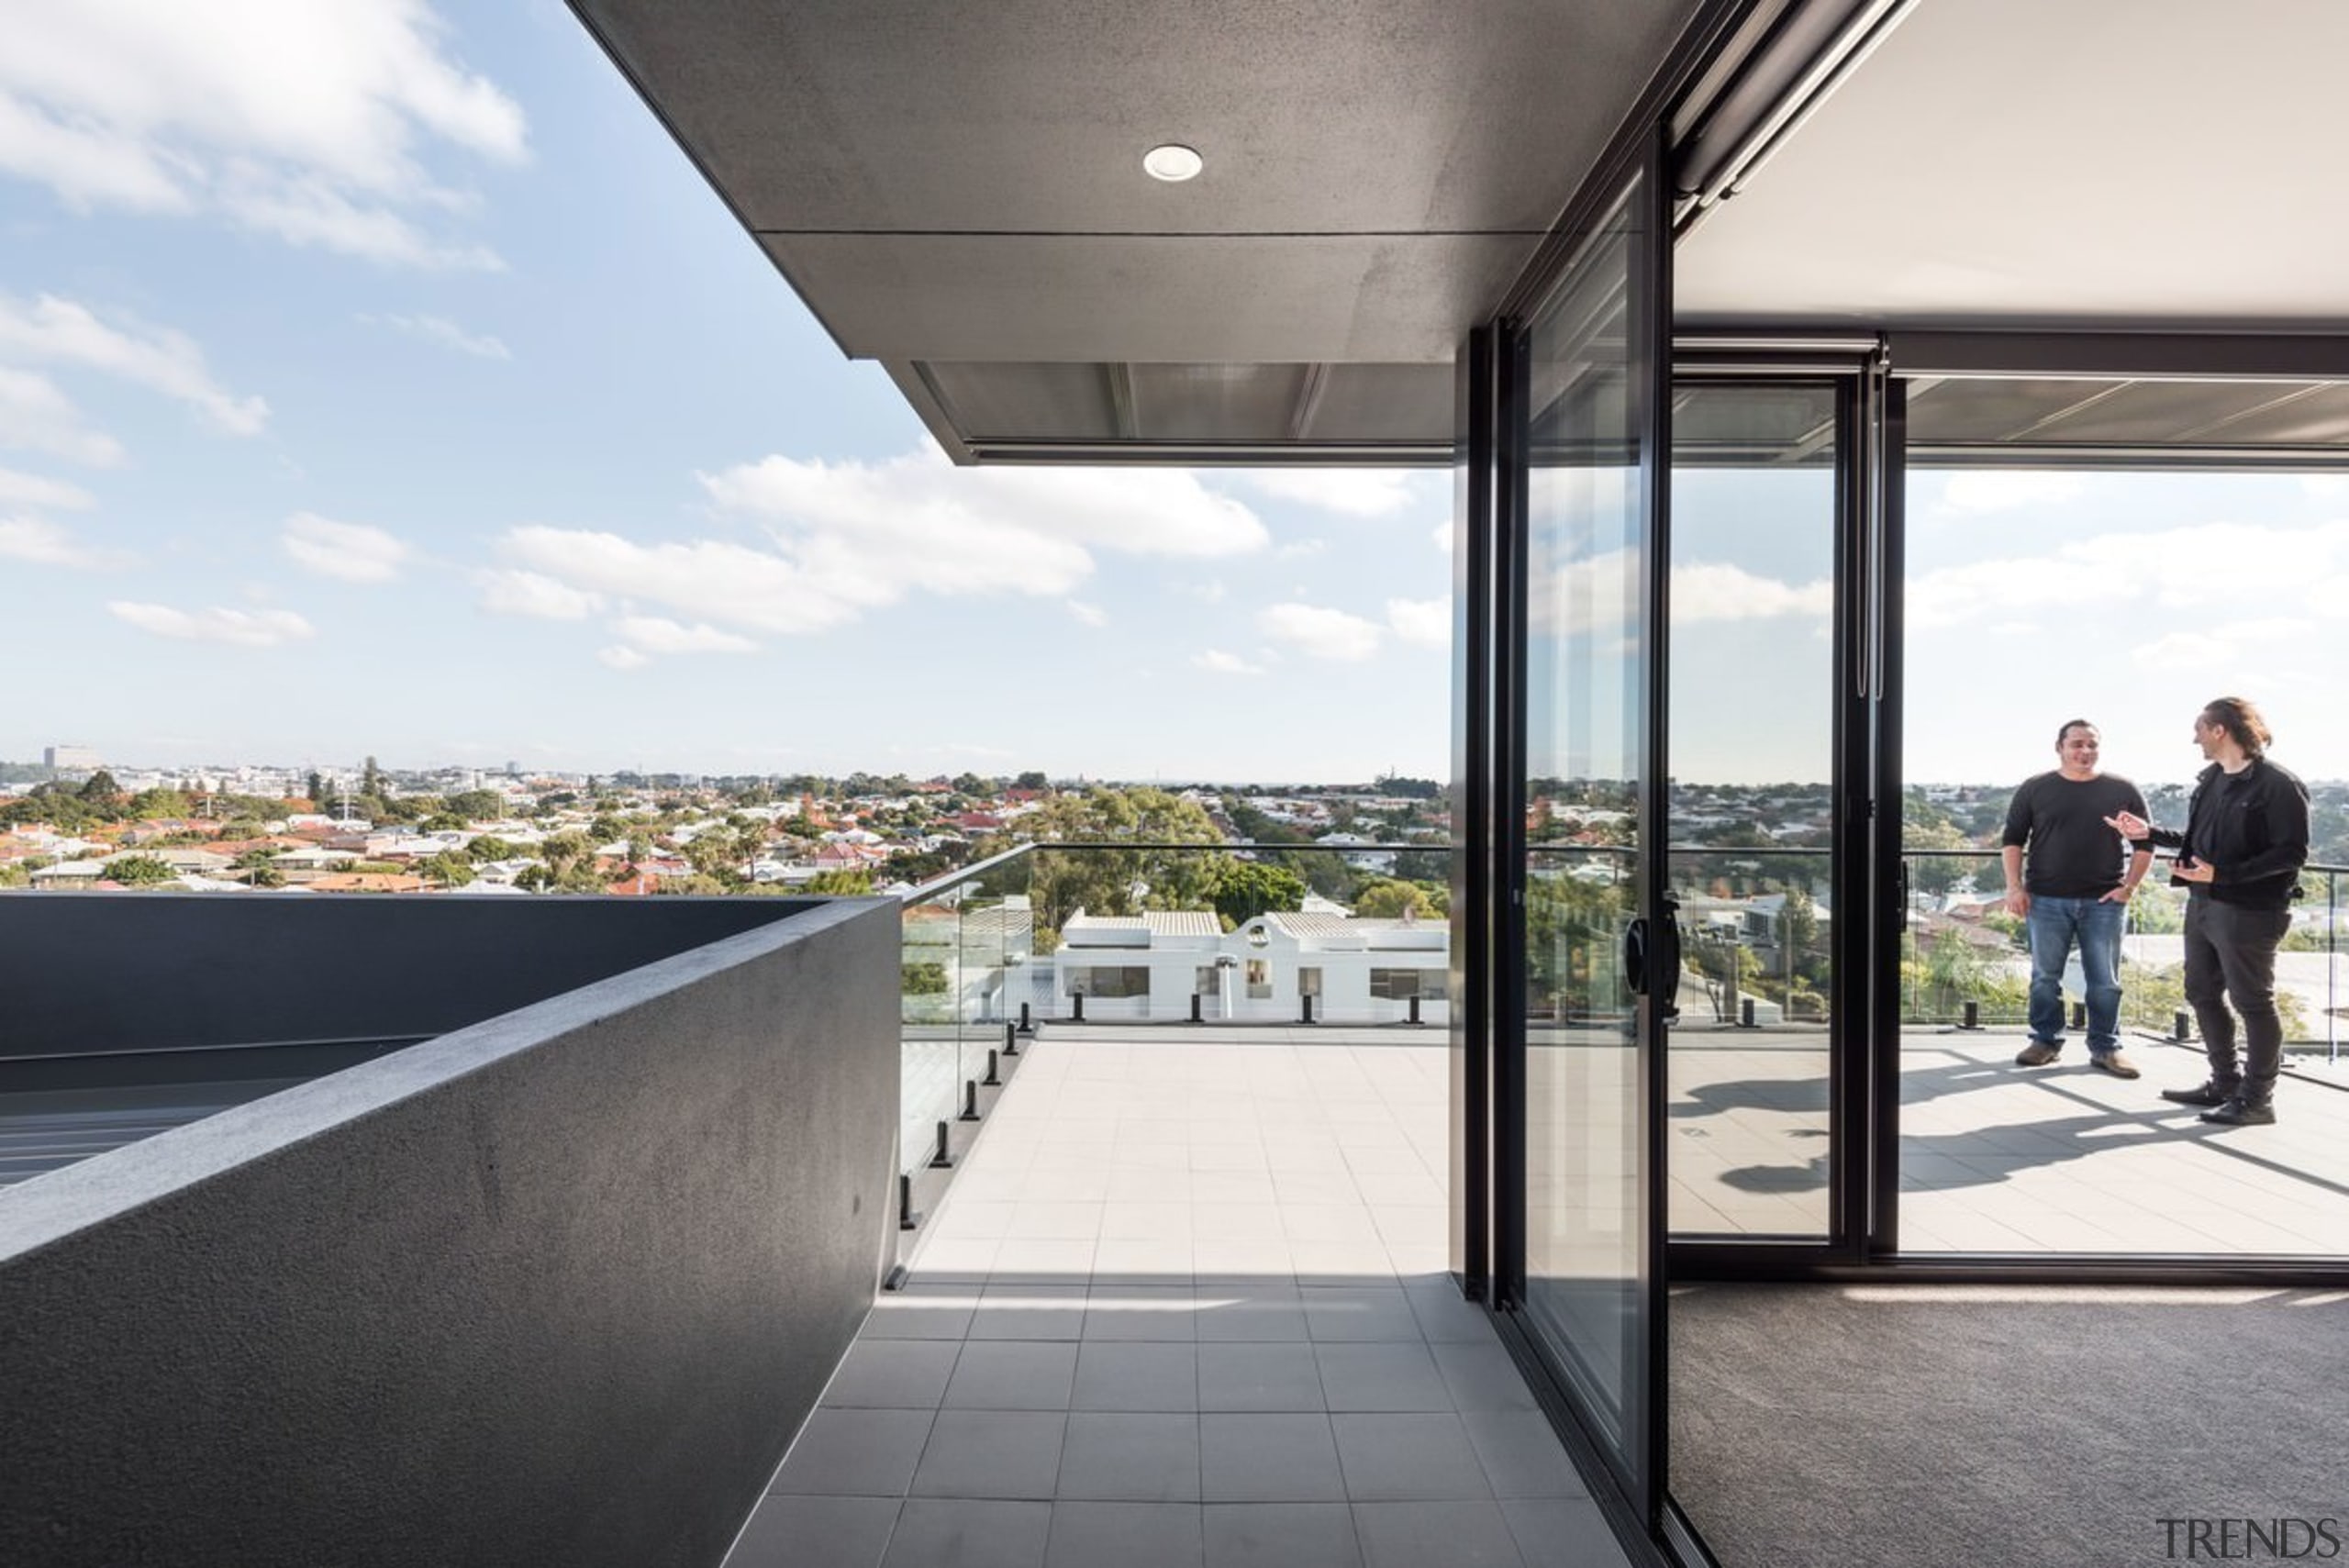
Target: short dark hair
[(2070, 725), (2241, 722)]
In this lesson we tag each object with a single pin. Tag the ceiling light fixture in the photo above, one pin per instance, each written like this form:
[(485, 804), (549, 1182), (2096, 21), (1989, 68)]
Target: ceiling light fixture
[(1173, 162)]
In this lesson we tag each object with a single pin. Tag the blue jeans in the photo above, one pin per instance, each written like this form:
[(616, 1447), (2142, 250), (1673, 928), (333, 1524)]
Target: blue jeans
[(2095, 924)]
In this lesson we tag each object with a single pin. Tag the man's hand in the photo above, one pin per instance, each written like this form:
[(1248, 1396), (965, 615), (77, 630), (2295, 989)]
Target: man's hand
[(2017, 903), (2119, 894), (2195, 871), (2129, 825)]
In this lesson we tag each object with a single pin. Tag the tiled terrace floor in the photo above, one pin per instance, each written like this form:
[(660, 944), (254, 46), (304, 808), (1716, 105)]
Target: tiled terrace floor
[(1184, 1305), (1996, 1158)]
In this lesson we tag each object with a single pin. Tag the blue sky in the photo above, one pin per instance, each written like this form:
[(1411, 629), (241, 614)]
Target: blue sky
[(383, 381), (391, 384)]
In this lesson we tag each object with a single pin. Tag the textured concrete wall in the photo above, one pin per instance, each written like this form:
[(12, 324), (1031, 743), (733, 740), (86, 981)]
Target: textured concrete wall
[(555, 1289), (98, 972)]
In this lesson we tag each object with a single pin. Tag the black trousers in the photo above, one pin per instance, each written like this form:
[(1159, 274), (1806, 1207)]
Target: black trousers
[(2231, 957)]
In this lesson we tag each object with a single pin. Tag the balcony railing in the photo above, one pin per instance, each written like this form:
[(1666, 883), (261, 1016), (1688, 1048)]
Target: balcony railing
[(1135, 933)]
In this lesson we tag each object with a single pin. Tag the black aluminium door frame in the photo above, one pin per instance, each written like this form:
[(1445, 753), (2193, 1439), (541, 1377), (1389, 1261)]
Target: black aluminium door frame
[(1863, 1111), (1635, 1503)]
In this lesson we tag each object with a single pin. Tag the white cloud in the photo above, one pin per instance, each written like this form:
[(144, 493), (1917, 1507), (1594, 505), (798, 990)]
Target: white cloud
[(1426, 622), (1704, 591), (2184, 650), (35, 417), (1088, 615), (45, 544), (1975, 492), (1223, 664), (309, 122), (1320, 632), (657, 634), (535, 595), (34, 489), (1298, 549), (353, 552), (58, 331), (843, 538), (1354, 492), (2187, 570), (241, 628), (622, 658), (1444, 536), (445, 333)]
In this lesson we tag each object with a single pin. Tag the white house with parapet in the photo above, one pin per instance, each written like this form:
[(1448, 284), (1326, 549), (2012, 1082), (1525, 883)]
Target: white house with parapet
[(1151, 966)]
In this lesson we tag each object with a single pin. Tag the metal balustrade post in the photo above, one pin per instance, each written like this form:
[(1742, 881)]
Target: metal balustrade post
[(1010, 1040), (971, 1099), (993, 1080), (944, 1159)]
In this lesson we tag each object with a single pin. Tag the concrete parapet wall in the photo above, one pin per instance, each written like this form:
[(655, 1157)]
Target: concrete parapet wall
[(555, 1288), (106, 972)]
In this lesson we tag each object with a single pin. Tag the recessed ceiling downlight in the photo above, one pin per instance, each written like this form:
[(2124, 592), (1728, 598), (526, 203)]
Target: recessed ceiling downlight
[(1173, 162)]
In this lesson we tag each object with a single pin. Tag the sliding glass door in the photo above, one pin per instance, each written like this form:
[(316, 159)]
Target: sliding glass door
[(1598, 955)]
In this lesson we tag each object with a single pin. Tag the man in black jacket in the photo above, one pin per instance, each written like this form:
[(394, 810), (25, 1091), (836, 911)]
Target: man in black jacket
[(2245, 838)]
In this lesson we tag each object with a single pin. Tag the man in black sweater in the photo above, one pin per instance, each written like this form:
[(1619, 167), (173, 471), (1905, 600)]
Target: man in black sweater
[(2072, 893), (2245, 838)]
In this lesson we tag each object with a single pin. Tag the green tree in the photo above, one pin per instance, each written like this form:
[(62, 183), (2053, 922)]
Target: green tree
[(371, 778), (316, 786), (1390, 898), (842, 883), (1241, 890), (475, 805), (140, 871), (158, 803), (1111, 880), (449, 868), (490, 847), (100, 791)]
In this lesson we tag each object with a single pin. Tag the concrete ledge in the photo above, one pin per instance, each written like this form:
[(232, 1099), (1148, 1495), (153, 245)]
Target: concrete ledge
[(557, 1287)]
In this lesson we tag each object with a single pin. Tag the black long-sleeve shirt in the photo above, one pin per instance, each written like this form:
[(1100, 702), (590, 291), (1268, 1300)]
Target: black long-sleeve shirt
[(2251, 826)]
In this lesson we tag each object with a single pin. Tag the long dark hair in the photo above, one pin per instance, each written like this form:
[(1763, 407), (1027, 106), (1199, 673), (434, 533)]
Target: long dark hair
[(2241, 722)]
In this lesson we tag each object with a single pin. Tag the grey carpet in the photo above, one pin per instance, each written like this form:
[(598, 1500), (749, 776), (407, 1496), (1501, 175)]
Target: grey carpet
[(1920, 1425)]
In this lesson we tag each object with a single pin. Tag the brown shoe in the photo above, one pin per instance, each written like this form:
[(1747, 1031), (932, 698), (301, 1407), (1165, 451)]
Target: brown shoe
[(2038, 1053), (2112, 1061)]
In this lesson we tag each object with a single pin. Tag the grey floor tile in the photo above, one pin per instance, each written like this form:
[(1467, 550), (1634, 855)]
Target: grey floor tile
[(1416, 1535), (906, 1315), (961, 1533), (1269, 1459), (895, 1374), (844, 1453), (1521, 1454), (816, 1532), (1407, 1458), (1012, 1375), (1446, 1317), (1124, 1535), (1563, 1533), (1142, 1312), (991, 1454), (1381, 1376), (1130, 1457), (1364, 1312), (1117, 1374), (1031, 1312), (1278, 1377), (1281, 1535), (1482, 1377), (1255, 1312)]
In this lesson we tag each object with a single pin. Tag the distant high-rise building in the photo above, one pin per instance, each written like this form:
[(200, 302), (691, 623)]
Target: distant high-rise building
[(71, 759)]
